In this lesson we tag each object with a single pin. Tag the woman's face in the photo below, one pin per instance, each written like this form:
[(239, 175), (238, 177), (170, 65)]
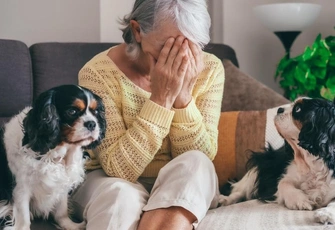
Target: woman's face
[(153, 42)]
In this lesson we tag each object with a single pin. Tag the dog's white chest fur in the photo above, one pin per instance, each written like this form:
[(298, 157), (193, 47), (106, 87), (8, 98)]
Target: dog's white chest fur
[(52, 175)]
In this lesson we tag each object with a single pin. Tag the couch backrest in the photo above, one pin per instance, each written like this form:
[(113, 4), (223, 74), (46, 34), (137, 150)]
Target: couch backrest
[(59, 63), (26, 72), (16, 81)]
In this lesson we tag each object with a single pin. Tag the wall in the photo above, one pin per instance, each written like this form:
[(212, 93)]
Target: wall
[(233, 23), (110, 12), (215, 9), (46, 21), (258, 49)]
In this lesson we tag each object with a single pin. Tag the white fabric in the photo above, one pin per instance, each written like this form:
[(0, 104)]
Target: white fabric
[(188, 181), (193, 177), (255, 215), (272, 137)]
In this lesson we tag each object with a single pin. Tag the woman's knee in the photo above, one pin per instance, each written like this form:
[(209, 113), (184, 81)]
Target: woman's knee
[(114, 202), (119, 190), (195, 160), (192, 166), (100, 192)]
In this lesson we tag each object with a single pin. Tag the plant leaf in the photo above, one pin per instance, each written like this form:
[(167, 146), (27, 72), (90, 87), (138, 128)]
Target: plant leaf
[(316, 43), (330, 41), (310, 81), (330, 83), (327, 93), (321, 57), (308, 54), (284, 62), (319, 72), (301, 73), (331, 61)]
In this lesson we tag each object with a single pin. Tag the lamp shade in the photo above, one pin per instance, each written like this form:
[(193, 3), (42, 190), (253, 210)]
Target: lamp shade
[(287, 16)]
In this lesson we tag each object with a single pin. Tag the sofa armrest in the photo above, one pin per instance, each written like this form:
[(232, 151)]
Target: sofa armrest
[(242, 92)]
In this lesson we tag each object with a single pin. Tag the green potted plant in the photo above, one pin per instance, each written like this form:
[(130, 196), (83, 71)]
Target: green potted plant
[(311, 73)]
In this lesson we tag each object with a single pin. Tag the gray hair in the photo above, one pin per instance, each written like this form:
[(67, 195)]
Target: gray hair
[(191, 17)]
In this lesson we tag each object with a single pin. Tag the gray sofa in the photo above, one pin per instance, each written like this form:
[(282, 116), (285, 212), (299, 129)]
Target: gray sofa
[(25, 72)]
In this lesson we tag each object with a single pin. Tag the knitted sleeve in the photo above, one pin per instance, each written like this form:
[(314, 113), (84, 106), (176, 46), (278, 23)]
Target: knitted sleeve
[(196, 126), (126, 151)]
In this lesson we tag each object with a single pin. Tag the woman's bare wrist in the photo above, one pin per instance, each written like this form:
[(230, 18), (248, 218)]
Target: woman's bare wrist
[(182, 101)]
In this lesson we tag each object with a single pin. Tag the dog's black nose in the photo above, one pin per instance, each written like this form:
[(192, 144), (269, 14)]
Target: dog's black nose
[(90, 125), (280, 110)]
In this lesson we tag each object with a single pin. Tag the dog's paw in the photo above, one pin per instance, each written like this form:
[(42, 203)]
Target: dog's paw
[(325, 215), (225, 200), (70, 225), (298, 201), (82, 225), (16, 228)]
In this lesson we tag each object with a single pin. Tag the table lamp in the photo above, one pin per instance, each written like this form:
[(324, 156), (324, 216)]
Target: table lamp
[(287, 20)]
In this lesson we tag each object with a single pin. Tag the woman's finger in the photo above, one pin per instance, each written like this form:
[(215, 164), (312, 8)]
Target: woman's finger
[(175, 49), (182, 53), (192, 59), (183, 66), (196, 53), (152, 62), (164, 54)]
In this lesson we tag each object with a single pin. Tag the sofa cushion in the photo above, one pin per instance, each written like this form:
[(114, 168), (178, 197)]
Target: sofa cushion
[(223, 52), (15, 77), (243, 92), (59, 63), (240, 132), (256, 215)]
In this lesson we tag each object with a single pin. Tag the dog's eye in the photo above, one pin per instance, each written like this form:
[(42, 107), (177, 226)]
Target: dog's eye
[(95, 111), (297, 109), (71, 112)]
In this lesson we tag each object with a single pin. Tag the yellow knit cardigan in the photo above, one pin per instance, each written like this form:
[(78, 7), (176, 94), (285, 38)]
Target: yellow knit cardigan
[(141, 136)]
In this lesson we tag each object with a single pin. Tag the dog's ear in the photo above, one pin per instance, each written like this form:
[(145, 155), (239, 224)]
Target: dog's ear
[(318, 136), (101, 121), (41, 125)]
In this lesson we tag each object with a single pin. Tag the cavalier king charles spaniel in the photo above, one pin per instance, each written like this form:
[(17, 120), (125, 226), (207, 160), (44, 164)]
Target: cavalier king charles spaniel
[(300, 175), (44, 148)]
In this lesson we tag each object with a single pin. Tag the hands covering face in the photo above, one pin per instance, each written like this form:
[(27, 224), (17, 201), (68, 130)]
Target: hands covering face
[(174, 74)]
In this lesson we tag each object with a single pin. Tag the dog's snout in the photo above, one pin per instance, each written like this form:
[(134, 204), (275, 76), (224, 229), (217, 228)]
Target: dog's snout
[(90, 125), (280, 110)]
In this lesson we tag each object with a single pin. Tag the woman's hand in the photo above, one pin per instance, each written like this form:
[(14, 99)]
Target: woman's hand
[(168, 73), (195, 67)]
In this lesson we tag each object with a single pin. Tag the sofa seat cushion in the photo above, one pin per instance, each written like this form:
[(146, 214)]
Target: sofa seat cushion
[(255, 215)]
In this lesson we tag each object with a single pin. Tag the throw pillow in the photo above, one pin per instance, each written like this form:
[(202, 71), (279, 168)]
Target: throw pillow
[(239, 132)]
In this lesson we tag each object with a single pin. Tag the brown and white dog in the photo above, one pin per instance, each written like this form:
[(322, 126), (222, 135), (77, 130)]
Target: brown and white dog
[(44, 149), (301, 174)]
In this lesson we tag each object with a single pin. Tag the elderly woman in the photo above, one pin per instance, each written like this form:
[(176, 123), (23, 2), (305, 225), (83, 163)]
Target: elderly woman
[(162, 95)]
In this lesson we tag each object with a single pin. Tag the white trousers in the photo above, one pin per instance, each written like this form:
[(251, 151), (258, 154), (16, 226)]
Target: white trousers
[(109, 203)]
